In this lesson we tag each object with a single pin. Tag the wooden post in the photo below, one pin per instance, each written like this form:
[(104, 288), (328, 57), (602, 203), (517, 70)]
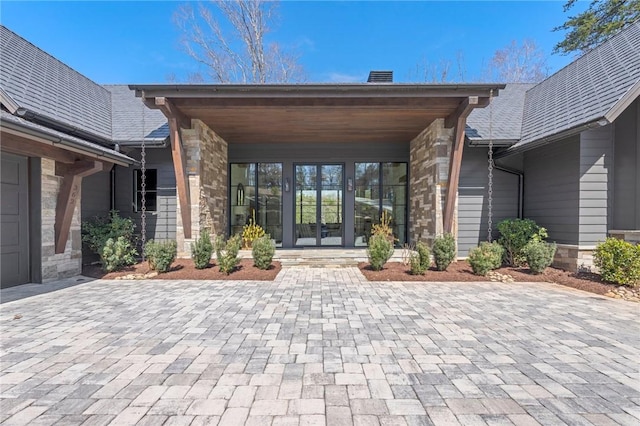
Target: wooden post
[(182, 181), (68, 198), (176, 121), (459, 119)]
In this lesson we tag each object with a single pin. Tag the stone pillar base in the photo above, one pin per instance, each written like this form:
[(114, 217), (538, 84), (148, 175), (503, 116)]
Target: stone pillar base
[(574, 258)]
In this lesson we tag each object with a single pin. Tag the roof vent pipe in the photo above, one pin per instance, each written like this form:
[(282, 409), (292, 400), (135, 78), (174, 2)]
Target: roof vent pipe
[(380, 77)]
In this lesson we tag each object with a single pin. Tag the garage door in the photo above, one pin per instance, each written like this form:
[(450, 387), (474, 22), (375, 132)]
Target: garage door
[(14, 221)]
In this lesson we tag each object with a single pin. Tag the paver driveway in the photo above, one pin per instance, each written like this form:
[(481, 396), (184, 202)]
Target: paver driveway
[(319, 346)]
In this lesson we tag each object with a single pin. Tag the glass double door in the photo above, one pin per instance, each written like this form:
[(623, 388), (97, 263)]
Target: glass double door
[(319, 205)]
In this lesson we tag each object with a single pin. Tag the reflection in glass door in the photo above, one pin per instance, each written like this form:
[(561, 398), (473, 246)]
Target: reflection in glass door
[(319, 204), (380, 187)]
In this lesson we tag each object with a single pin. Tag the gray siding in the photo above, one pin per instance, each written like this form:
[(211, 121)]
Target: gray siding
[(161, 224), (626, 198), (551, 189), (595, 184), (473, 198), (95, 201)]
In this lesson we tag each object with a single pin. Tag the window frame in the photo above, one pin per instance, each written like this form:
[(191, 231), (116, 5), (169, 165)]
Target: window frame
[(148, 191)]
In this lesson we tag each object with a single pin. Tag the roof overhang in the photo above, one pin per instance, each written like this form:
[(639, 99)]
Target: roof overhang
[(70, 148), (275, 113)]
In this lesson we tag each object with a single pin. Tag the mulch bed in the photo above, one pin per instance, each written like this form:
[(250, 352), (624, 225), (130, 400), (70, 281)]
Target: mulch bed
[(461, 272), (183, 269)]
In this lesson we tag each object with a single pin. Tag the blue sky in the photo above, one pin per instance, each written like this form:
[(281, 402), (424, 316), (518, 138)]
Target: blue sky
[(137, 42)]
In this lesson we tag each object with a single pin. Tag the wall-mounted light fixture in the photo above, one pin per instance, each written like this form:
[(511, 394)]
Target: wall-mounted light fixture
[(349, 184), (286, 185)]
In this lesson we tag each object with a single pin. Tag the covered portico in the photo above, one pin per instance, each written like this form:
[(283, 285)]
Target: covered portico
[(215, 126)]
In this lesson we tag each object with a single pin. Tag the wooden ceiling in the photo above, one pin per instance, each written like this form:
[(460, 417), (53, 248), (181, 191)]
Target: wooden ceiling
[(301, 114)]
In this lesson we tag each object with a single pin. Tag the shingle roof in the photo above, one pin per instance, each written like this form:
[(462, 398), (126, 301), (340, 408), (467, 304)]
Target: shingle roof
[(502, 120), (129, 123), (585, 90), (41, 84), (7, 119)]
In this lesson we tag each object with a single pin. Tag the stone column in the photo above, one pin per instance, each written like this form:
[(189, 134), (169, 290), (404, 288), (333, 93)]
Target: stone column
[(206, 157), (67, 264), (429, 156)]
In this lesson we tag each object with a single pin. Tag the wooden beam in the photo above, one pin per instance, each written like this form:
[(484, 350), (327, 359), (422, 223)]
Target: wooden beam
[(182, 181), (464, 109), (68, 198), (171, 111), (455, 161)]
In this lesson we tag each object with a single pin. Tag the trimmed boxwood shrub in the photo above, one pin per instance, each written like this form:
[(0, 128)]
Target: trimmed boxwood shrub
[(618, 261), (160, 254), (486, 257), (539, 255), (444, 251)]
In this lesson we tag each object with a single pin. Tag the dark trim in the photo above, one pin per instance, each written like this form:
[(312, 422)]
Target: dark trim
[(35, 219), (318, 166), (72, 143), (313, 90)]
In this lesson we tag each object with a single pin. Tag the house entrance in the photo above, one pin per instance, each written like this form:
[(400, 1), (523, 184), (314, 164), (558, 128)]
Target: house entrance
[(319, 205)]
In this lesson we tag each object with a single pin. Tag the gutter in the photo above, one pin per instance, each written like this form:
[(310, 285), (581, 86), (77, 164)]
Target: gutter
[(55, 124), (97, 152), (594, 124)]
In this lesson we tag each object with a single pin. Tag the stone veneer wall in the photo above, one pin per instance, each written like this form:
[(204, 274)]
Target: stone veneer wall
[(573, 258), (428, 174), (206, 158), (69, 263)]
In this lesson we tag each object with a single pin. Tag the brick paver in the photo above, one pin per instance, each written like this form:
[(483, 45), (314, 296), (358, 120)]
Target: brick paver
[(319, 346)]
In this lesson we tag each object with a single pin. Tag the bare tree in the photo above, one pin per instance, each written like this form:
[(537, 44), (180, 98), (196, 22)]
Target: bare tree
[(518, 63), (441, 71), (239, 54)]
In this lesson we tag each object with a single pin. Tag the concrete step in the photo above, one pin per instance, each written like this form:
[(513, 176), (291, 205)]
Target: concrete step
[(323, 258)]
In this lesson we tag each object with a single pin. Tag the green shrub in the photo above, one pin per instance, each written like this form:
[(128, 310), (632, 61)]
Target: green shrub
[(117, 254), (515, 234), (486, 257), (227, 252), (160, 255), (618, 261), (444, 251), (97, 231), (420, 260), (262, 251), (379, 251), (539, 255), (424, 254), (201, 250), (416, 264)]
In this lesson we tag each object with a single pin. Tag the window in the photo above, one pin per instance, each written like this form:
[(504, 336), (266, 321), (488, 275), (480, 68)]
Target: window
[(256, 189), (151, 190), (380, 187)]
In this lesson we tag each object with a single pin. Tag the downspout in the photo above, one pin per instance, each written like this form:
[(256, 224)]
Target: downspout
[(520, 186), (112, 188)]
